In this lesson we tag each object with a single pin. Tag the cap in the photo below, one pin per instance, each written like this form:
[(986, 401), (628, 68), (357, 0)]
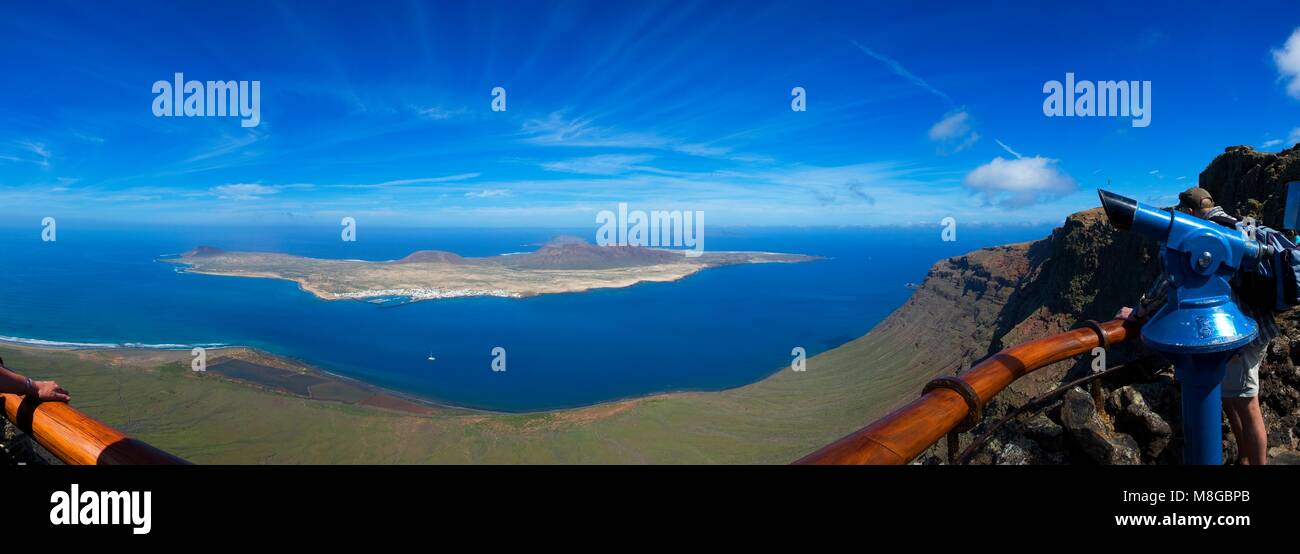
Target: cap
[(1194, 198)]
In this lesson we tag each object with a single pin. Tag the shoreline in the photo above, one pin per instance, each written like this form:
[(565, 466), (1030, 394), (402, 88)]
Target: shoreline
[(261, 360), (422, 295), (252, 355), (422, 280)]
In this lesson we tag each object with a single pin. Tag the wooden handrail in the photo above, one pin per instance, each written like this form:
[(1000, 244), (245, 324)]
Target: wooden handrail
[(906, 432), (78, 439)]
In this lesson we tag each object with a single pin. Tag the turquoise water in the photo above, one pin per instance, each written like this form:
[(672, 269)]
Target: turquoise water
[(717, 329)]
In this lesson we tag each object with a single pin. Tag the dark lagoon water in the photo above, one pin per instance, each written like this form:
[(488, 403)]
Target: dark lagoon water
[(717, 329)]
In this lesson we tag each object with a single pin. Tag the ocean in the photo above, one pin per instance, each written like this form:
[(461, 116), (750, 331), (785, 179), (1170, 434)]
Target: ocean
[(717, 329)]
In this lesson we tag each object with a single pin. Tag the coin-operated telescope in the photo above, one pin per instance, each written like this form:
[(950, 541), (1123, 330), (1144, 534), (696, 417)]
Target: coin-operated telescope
[(1200, 326)]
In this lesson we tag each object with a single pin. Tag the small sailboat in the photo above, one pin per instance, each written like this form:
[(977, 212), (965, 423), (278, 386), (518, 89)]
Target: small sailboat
[(431, 358)]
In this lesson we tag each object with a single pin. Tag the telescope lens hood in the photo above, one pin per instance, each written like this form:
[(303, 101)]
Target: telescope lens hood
[(1119, 209)]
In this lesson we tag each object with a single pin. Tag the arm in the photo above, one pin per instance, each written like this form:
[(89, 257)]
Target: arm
[(46, 391), (1150, 303)]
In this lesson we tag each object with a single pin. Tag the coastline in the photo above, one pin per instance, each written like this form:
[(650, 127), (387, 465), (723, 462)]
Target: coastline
[(382, 397), (271, 361), (420, 281), (255, 359), (424, 294)]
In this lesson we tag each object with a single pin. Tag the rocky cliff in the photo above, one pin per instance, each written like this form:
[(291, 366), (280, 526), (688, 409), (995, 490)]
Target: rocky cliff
[(1088, 270)]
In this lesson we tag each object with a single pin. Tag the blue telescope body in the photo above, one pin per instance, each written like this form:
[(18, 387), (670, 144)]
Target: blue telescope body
[(1200, 326)]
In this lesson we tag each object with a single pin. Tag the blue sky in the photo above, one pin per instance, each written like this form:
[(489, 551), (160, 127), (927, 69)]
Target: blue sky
[(381, 110)]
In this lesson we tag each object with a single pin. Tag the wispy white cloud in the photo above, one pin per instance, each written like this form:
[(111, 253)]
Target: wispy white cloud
[(703, 150), (243, 191), (437, 113), (1010, 151), (1292, 139), (89, 138), (954, 125), (901, 71), (28, 151), (488, 193), (558, 130), (603, 164), (227, 145), (413, 182), (954, 132)]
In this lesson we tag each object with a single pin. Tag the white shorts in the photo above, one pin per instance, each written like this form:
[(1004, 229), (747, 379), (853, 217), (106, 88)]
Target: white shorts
[(1242, 379)]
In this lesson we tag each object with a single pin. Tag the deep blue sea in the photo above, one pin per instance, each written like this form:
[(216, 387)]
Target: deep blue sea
[(717, 329)]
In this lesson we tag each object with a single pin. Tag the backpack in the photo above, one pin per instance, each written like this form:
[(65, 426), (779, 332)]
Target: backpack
[(1273, 283)]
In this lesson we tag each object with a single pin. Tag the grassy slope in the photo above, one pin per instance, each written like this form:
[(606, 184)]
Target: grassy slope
[(777, 420)]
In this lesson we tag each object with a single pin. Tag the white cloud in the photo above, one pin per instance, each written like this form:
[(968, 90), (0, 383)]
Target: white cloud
[(1009, 150), (953, 125), (411, 182), (1020, 182), (558, 130), (30, 152), (954, 131), (1291, 140), (228, 144), (603, 164), (1288, 63), (436, 113), (243, 191), (488, 193), (40, 150), (703, 150), (901, 71)]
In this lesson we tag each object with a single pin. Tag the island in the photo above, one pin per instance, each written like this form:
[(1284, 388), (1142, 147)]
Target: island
[(564, 264)]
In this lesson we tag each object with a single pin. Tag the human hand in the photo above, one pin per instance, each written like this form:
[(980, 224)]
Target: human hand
[(49, 391)]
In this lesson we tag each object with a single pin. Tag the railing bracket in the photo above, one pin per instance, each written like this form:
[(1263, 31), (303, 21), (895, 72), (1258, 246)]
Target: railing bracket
[(975, 408), (1096, 328)]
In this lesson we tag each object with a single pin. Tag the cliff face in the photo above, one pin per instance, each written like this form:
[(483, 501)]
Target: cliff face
[(1088, 270), (953, 313)]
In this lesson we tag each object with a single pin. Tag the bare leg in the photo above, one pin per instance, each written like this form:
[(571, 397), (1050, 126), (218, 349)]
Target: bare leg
[(1252, 424), (1234, 423), (1252, 440)]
